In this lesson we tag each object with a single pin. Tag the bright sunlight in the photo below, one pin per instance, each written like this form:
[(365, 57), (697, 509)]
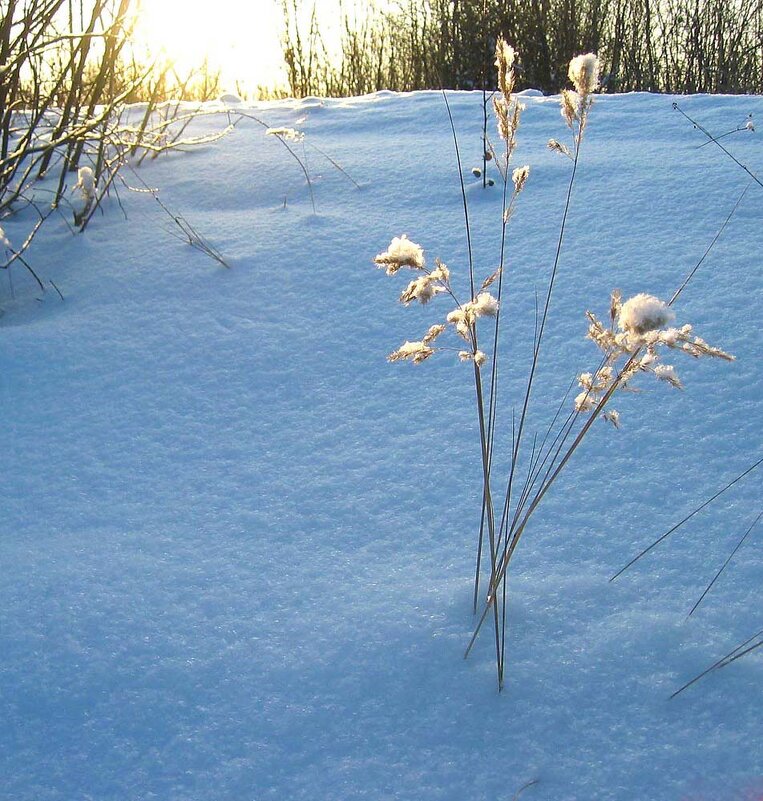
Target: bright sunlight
[(241, 38)]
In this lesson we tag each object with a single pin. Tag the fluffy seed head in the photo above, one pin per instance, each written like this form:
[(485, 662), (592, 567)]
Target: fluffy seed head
[(417, 352), (557, 147), (485, 305), (421, 289), (584, 73), (432, 334), (519, 176), (401, 253), (643, 313), (666, 372)]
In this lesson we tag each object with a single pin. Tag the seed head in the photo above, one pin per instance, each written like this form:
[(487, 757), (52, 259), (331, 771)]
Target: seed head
[(519, 176), (584, 73), (643, 313), (401, 253)]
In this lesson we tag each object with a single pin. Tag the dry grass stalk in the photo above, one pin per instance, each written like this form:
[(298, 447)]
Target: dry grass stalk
[(633, 342)]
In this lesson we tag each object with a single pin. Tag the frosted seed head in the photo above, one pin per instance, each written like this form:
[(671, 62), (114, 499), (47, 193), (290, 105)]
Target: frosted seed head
[(414, 351), (401, 253), (440, 272), (570, 106), (290, 134), (502, 118), (558, 147), (584, 73), (86, 181), (519, 177), (666, 372), (421, 289), (504, 61), (643, 313), (433, 333), (584, 402), (485, 305)]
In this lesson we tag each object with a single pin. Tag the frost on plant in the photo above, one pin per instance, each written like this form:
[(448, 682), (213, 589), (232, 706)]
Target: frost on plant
[(289, 134), (576, 103), (634, 342), (83, 195), (584, 72), (638, 337), (402, 252), (644, 313)]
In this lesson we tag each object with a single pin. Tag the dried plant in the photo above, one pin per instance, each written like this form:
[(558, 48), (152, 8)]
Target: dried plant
[(634, 341)]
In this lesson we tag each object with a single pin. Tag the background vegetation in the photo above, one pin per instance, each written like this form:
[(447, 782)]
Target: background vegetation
[(676, 46)]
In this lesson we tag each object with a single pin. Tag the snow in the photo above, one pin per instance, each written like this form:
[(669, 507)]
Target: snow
[(237, 544)]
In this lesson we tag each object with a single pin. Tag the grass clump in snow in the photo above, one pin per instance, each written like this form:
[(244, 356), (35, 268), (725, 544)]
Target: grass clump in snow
[(639, 332)]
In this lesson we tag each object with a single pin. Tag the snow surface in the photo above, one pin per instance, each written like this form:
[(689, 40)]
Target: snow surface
[(237, 545)]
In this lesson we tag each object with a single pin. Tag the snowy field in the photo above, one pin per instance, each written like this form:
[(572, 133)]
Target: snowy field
[(237, 547)]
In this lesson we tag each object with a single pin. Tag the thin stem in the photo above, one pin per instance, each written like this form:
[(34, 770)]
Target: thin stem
[(463, 193), (725, 564), (709, 248), (478, 383), (687, 518), (732, 656), (711, 138)]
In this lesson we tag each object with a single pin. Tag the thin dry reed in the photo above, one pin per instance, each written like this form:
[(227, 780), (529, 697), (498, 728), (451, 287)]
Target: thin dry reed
[(633, 342)]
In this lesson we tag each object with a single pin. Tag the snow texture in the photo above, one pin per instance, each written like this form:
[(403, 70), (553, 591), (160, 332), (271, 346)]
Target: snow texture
[(237, 544)]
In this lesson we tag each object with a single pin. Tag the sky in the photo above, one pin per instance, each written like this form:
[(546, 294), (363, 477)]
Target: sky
[(242, 37)]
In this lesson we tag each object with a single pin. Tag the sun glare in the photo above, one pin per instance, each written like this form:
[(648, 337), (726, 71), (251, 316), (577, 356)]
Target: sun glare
[(241, 38)]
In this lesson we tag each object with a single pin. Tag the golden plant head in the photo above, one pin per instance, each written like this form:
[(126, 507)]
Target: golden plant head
[(571, 106), (416, 352), (501, 110), (519, 177), (505, 55)]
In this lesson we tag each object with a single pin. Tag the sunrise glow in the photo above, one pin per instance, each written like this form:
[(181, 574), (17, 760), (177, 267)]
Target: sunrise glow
[(241, 38)]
